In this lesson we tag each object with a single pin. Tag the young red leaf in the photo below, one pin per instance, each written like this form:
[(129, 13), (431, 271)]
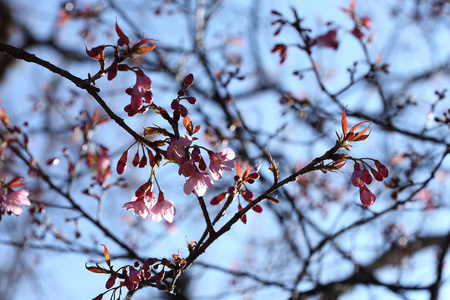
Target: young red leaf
[(143, 41), (112, 70), (16, 182), (196, 128), (188, 124), (217, 199), (124, 40), (99, 297), (95, 269), (353, 129), (96, 52), (145, 49), (361, 138), (344, 123), (107, 256), (238, 168)]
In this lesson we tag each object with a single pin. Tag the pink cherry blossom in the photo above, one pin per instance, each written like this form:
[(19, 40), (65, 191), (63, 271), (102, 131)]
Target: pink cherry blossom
[(367, 197), (15, 200), (198, 183), (176, 150), (220, 161), (103, 168), (141, 206), (163, 209), (187, 168), (142, 89)]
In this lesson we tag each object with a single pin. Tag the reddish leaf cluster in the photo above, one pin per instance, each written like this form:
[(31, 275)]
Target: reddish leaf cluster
[(132, 276), (351, 135), (245, 174)]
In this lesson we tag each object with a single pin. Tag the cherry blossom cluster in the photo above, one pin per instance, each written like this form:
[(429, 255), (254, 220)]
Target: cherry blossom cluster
[(180, 150), (11, 201), (144, 204), (193, 166), (130, 276), (362, 178), (141, 92)]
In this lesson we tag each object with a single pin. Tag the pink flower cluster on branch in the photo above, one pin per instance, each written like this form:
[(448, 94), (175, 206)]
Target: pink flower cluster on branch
[(12, 202), (141, 91), (360, 178)]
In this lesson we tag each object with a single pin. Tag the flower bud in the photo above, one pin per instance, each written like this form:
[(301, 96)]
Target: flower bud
[(188, 81)]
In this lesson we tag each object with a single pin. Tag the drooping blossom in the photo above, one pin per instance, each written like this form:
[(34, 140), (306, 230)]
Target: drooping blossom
[(382, 169), (367, 197), (176, 150), (358, 176), (15, 200), (132, 281), (187, 168), (103, 167), (163, 209), (198, 183), (142, 89), (220, 161), (141, 205)]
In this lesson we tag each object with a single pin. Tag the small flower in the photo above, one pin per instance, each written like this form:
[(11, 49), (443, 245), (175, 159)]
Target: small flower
[(163, 209), (141, 206), (142, 89), (103, 167), (220, 161), (176, 150), (187, 168), (15, 200), (367, 197), (197, 183), (132, 281)]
